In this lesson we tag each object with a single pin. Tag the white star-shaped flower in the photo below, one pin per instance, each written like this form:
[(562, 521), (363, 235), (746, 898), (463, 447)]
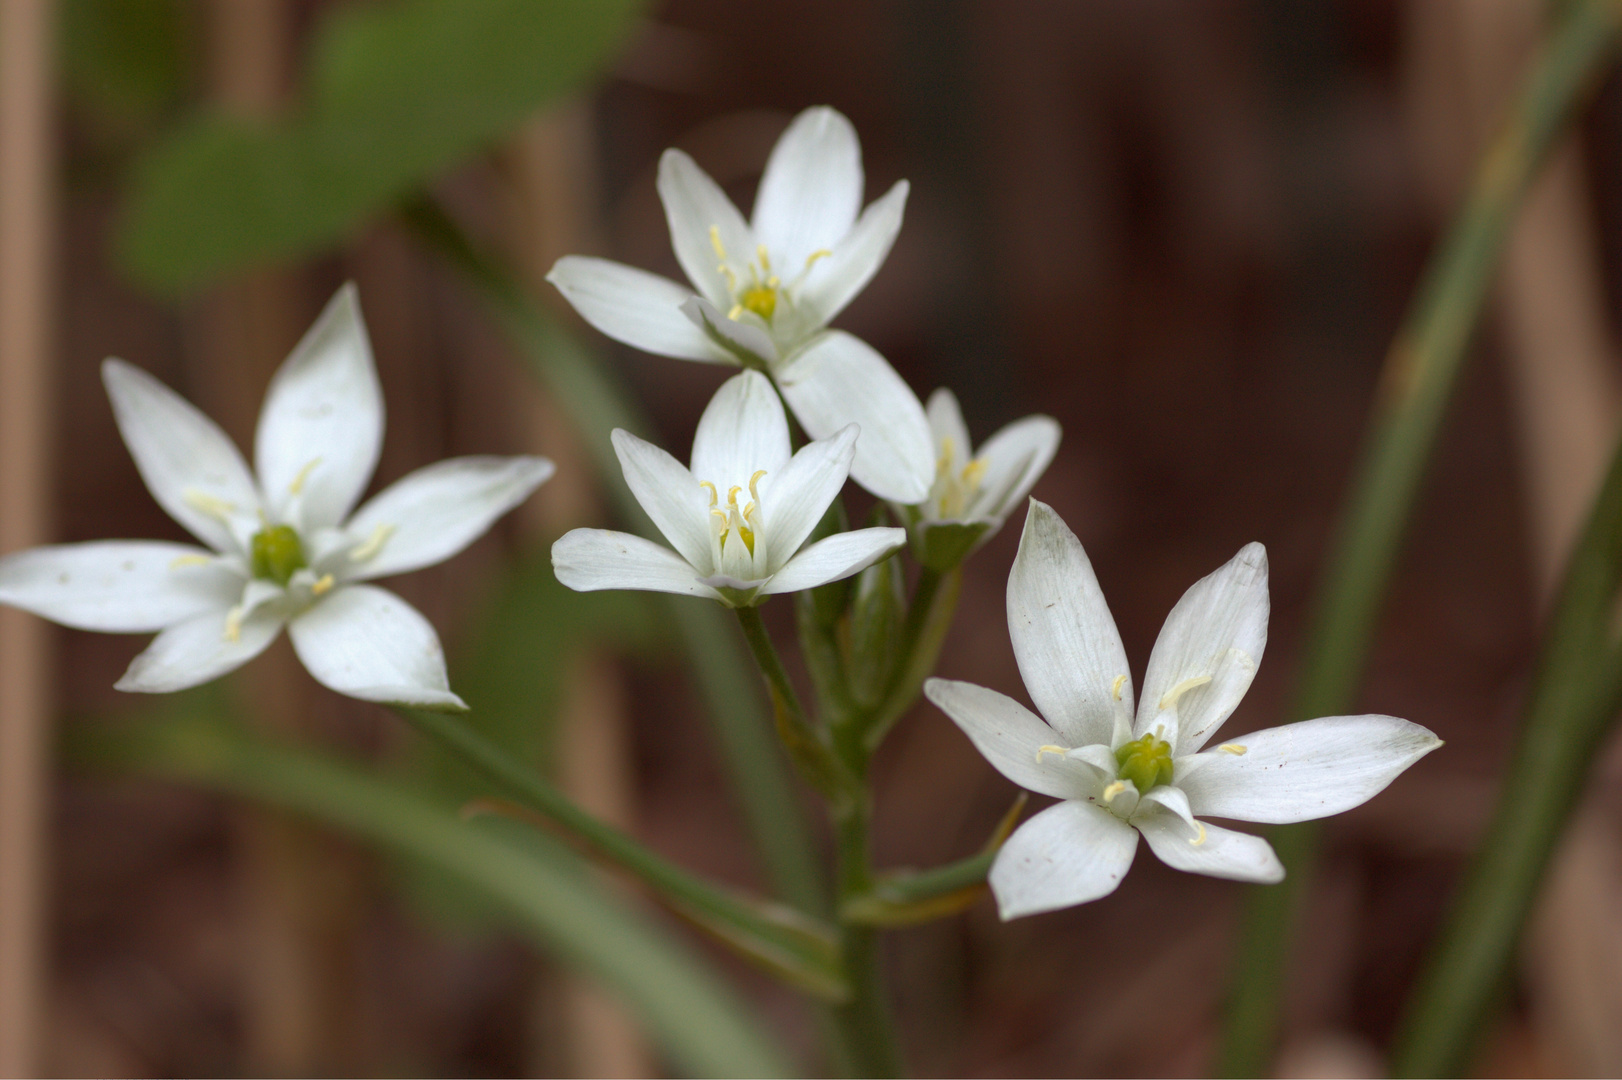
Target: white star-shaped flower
[(1119, 777), (766, 290), (737, 518), (282, 549)]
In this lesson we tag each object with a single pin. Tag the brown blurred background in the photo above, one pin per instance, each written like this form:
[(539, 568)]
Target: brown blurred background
[(1186, 230)]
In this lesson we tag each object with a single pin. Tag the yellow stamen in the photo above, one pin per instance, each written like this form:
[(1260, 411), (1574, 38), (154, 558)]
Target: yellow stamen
[(714, 497), (1200, 839), (323, 586), (303, 474), (373, 544), (820, 253), (1182, 688), (732, 494), (190, 560), (972, 472), (948, 451), (233, 624), (715, 242), (753, 480), (1115, 687), (734, 312), (1114, 790), (211, 505), (763, 257), (1232, 748), (1049, 749)]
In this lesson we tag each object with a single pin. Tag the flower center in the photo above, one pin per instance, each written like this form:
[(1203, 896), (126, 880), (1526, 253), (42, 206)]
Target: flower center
[(276, 554), (734, 528), (1146, 762), (955, 488), (760, 293)]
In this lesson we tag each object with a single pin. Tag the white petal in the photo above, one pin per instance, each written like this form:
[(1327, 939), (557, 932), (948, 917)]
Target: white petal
[(189, 465), (321, 426), (1209, 849), (734, 341), (1303, 771), (694, 204), (794, 498), (836, 557), (368, 643), (1069, 652), (589, 559), (118, 586), (811, 189), (673, 498), (636, 307), (437, 511), (1066, 855), (743, 430), (839, 379), (1015, 459), (946, 425), (1012, 738), (192, 652), (835, 280), (1217, 630)]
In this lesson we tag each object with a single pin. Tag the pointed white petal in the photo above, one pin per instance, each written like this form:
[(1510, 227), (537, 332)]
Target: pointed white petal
[(636, 307), (188, 464), (946, 426), (1013, 739), (743, 430), (836, 557), (839, 380), (1069, 652), (811, 189), (835, 280), (794, 498), (1169, 799), (1303, 771), (437, 511), (1217, 631), (1209, 849), (192, 652), (321, 426), (118, 586), (590, 559), (673, 498), (1015, 459), (733, 341), (695, 204), (1066, 855), (368, 643)]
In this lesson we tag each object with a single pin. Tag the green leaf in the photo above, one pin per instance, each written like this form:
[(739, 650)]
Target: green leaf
[(539, 884), (394, 95)]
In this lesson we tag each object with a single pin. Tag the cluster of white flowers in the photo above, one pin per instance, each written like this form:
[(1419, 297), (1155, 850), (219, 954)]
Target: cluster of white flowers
[(284, 549)]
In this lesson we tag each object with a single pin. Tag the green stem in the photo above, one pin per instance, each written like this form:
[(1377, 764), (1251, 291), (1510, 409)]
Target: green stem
[(1420, 373), (929, 616), (596, 405), (807, 745), (867, 1036), (1574, 703)]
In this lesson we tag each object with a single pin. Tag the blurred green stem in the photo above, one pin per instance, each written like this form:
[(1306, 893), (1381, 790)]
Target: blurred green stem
[(755, 765), (1416, 384), (1574, 702)]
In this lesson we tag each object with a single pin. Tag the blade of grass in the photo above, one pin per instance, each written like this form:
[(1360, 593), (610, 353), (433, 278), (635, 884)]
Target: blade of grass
[(542, 886), (1420, 372), (756, 767)]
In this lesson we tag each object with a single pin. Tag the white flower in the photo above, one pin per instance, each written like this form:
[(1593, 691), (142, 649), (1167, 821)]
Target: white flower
[(1119, 777), (970, 494), (737, 518), (282, 552), (767, 289)]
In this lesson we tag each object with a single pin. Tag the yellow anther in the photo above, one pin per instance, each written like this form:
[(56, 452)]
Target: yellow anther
[(233, 624), (715, 242), (323, 586), (732, 494), (714, 496), (1232, 748), (190, 560), (1114, 790), (763, 257), (211, 505), (1182, 688), (1200, 839), (1049, 749), (753, 480), (734, 312), (303, 474), (774, 282), (948, 451), (972, 472), (1115, 687), (373, 544), (820, 253)]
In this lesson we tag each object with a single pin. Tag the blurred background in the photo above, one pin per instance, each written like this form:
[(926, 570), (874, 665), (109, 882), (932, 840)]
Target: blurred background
[(1187, 230)]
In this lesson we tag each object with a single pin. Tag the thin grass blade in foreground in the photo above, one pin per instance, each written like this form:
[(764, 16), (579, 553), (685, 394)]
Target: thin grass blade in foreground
[(1416, 385)]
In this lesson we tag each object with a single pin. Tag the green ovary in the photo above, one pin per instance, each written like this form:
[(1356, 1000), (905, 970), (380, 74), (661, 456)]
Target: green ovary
[(1146, 762), (277, 554)]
